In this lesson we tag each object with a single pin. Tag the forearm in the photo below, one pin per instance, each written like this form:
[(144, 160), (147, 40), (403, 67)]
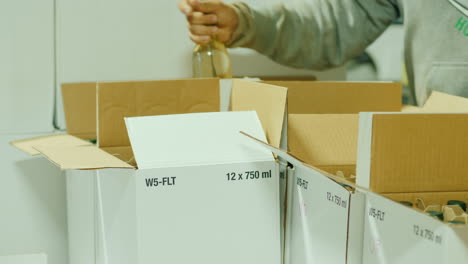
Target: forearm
[(317, 34)]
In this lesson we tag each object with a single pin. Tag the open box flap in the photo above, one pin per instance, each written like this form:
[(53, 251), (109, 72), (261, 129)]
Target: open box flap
[(195, 139), (64, 140), (281, 153), (81, 157), (413, 152), (324, 140), (309, 97), (442, 102), (79, 105), (289, 157), (117, 100), (268, 101)]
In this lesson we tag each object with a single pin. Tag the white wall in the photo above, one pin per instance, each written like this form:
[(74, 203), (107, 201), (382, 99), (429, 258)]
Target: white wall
[(32, 193), (32, 204), (26, 65), (24, 259)]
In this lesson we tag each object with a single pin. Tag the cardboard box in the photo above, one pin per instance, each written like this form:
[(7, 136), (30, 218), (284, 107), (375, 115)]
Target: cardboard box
[(221, 186), (322, 128), (412, 157), (324, 219), (304, 97), (312, 103), (395, 233), (334, 107), (199, 212)]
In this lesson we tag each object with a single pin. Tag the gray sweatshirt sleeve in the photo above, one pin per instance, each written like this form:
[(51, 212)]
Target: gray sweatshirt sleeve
[(314, 34)]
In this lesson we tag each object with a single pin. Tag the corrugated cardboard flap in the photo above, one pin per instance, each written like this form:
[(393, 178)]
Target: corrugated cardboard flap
[(280, 152), (268, 101), (295, 161), (117, 100), (79, 105), (195, 139), (81, 157), (419, 153), (308, 97), (324, 140), (64, 140)]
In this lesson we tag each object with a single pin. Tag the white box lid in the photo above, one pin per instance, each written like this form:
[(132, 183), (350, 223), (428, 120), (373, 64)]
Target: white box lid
[(195, 139)]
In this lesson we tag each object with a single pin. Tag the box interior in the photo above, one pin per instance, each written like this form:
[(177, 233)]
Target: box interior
[(116, 100), (323, 121), (327, 141)]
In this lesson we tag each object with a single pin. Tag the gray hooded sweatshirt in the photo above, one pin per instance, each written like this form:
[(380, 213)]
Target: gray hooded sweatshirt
[(320, 34)]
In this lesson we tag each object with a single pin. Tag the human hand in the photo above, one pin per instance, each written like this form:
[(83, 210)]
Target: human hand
[(209, 18)]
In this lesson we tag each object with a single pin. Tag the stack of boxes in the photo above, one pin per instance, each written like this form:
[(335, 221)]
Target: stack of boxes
[(183, 188), (173, 180)]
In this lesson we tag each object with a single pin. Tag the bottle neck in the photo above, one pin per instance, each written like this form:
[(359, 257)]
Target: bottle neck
[(214, 43)]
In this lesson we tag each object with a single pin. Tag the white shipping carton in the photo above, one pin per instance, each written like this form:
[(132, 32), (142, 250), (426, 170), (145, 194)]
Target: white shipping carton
[(104, 193), (304, 99), (323, 218), (198, 190), (418, 158), (395, 233), (202, 192), (321, 129)]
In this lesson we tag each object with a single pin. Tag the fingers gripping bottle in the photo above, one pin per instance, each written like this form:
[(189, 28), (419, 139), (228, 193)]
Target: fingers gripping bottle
[(211, 60)]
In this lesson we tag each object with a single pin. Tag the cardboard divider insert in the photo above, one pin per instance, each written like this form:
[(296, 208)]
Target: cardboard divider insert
[(436, 202), (428, 197)]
